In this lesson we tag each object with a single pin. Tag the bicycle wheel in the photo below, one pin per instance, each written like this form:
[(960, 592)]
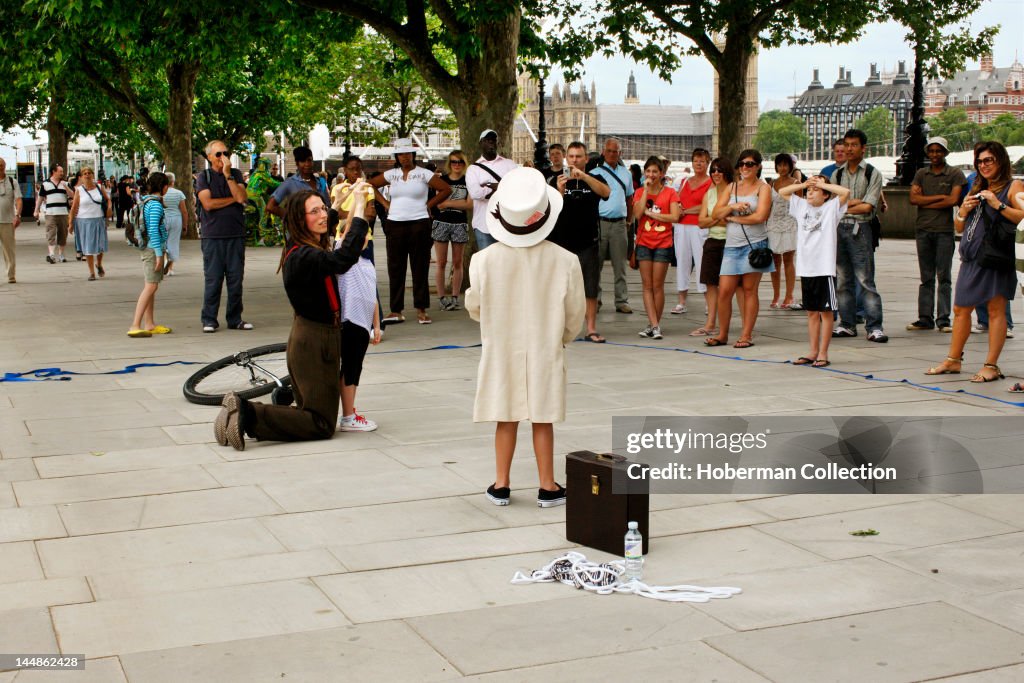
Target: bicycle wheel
[(249, 374)]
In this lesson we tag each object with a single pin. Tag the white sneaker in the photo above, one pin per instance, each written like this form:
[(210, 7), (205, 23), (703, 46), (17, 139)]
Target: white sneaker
[(647, 332), (356, 423), (656, 333), (1009, 333)]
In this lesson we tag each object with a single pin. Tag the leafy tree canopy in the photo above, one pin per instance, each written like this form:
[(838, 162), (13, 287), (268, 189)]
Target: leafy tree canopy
[(778, 132)]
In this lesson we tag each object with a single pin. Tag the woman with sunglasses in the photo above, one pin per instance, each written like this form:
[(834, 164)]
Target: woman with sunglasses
[(450, 225), (746, 204), (714, 245), (986, 211), (655, 208), (310, 268)]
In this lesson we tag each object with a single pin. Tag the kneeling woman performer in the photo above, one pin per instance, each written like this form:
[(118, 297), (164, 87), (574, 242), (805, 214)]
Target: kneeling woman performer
[(309, 267)]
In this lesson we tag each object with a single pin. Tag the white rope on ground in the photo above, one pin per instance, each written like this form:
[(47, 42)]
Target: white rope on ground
[(574, 569)]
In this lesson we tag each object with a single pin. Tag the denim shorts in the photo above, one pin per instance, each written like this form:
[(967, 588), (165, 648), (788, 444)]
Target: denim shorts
[(736, 261), (659, 255)]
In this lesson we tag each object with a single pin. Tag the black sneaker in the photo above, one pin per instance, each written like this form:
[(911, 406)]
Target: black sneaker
[(50, 259), (499, 496), (550, 499), (843, 332), (918, 325)]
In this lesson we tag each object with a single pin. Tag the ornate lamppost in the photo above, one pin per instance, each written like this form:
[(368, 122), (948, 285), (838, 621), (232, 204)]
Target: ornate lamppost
[(540, 148), (913, 156)]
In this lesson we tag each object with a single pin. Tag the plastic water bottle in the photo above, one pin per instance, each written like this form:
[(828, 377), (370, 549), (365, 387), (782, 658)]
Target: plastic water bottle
[(634, 553)]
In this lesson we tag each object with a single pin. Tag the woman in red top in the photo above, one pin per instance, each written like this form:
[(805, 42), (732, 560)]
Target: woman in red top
[(655, 208), (689, 238)]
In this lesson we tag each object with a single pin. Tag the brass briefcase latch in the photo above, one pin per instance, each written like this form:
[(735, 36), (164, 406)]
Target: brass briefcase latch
[(595, 484)]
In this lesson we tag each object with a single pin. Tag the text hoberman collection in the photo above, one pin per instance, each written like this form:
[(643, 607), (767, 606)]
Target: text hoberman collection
[(727, 472)]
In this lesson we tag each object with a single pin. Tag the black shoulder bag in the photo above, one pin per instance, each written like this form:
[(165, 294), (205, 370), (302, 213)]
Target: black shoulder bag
[(997, 245), (761, 257)]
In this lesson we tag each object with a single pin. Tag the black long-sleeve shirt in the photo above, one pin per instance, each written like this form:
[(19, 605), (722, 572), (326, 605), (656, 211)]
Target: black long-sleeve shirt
[(309, 274)]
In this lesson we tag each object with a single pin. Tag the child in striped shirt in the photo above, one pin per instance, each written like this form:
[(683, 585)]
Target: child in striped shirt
[(360, 323), (143, 325)]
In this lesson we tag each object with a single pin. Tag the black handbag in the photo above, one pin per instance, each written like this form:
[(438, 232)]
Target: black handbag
[(760, 257), (997, 248)]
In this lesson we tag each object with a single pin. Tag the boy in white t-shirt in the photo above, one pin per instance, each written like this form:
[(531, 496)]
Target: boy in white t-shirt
[(817, 217)]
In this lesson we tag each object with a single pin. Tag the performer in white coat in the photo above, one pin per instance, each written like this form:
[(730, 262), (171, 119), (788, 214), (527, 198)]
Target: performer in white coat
[(527, 294)]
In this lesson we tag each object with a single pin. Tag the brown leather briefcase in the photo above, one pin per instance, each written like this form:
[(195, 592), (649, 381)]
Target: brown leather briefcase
[(596, 516)]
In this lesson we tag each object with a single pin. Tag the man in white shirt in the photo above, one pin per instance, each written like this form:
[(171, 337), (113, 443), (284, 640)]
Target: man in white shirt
[(55, 193), (481, 181), (10, 216)]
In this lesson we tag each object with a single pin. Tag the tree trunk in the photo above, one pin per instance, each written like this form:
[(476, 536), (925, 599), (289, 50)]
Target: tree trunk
[(56, 133), (487, 94), (732, 99), (177, 145)]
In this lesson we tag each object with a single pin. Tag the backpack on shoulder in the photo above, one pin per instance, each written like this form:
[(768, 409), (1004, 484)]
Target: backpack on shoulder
[(136, 231)]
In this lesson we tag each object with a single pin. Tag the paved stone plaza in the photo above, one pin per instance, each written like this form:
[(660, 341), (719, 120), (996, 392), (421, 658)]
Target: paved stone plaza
[(129, 535)]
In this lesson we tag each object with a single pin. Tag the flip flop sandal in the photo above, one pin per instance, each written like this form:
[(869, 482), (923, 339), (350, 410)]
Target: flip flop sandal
[(804, 360), (821, 363), (937, 370), (795, 307), (715, 341), (1017, 388), (982, 379), (743, 344), (700, 332), (775, 306), (595, 338)]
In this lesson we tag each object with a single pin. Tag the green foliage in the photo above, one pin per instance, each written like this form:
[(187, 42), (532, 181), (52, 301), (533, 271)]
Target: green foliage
[(878, 125), (940, 33), (1005, 128), (953, 124), (370, 84), (778, 132)]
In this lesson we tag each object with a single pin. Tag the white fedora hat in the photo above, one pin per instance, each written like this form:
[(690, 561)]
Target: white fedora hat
[(404, 146), (523, 210)]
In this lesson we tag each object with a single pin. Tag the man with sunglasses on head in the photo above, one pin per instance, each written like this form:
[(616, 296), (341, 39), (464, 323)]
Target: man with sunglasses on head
[(221, 193)]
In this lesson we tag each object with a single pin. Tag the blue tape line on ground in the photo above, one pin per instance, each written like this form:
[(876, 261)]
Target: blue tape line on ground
[(1015, 404), (56, 374)]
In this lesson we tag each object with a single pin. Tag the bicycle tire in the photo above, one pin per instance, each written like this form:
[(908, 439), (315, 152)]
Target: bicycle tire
[(209, 385)]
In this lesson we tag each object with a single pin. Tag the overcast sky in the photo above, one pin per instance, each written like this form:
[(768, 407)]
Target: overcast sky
[(781, 73), (786, 71)]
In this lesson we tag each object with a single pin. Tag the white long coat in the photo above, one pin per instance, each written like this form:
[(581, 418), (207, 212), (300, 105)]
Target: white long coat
[(530, 304)]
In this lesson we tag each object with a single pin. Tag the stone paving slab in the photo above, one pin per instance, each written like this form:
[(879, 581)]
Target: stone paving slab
[(28, 631), (237, 571), (450, 547), (388, 651), (172, 509), (685, 661), (44, 593), (819, 591), (210, 615), (187, 558), (376, 523), (19, 562), (113, 485), (505, 637), (30, 523), (405, 592), (1004, 674), (84, 555), (976, 566), (100, 462), (102, 670), (881, 646), (910, 525)]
